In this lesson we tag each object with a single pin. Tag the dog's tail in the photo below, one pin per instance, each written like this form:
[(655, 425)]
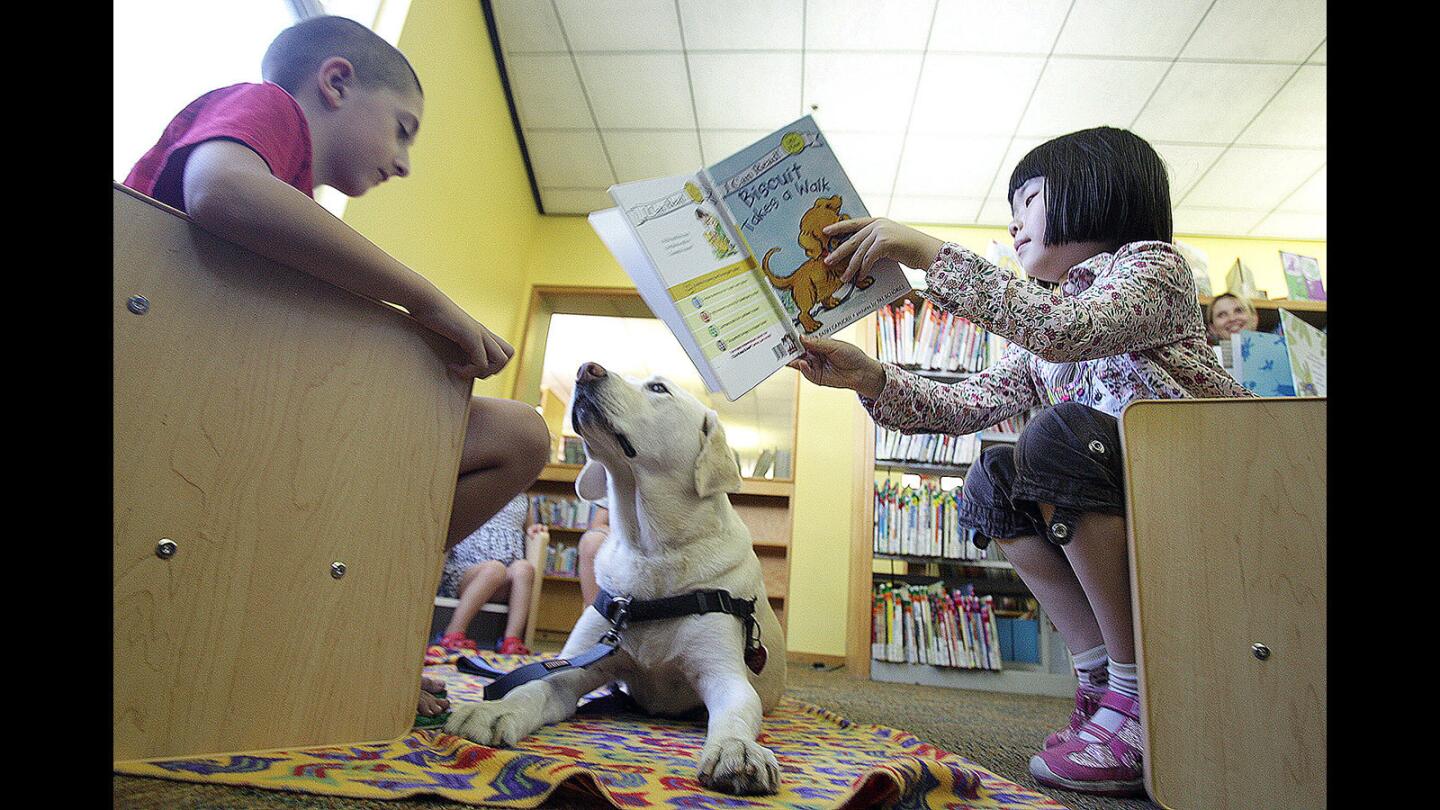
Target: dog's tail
[(779, 282)]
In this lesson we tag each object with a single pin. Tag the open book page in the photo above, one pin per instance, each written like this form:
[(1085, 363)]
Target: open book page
[(1262, 363), (781, 191), (1306, 345), (700, 280)]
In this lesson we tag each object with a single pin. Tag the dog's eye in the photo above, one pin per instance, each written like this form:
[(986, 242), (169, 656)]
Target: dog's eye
[(658, 388)]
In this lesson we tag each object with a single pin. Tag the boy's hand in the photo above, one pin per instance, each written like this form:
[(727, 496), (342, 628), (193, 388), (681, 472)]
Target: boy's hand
[(485, 353), (875, 238), (836, 364)]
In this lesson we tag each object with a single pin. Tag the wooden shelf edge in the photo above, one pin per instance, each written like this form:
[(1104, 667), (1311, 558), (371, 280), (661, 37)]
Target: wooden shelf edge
[(1278, 303), (567, 473)]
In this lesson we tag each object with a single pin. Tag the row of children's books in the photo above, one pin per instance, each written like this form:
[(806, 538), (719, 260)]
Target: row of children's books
[(922, 522), (565, 513), (925, 448), (563, 559), (933, 340), (925, 624)]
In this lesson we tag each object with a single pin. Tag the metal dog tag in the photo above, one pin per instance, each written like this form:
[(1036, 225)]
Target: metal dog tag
[(755, 658)]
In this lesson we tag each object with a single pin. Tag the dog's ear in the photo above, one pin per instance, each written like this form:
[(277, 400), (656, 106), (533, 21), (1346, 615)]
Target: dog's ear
[(715, 469), (592, 483)]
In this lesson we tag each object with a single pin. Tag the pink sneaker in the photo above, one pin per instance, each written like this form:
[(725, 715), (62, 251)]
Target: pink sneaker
[(1086, 702), (1111, 767)]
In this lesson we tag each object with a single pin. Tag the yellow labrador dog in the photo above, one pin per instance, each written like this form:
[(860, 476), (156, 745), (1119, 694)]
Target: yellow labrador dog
[(660, 458)]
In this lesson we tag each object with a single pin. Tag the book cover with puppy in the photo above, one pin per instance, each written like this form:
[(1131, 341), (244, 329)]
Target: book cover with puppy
[(731, 258)]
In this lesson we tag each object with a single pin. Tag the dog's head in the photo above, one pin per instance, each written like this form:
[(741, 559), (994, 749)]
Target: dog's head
[(652, 428), (825, 212)]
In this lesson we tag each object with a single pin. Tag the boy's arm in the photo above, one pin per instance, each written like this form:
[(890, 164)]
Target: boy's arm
[(230, 192)]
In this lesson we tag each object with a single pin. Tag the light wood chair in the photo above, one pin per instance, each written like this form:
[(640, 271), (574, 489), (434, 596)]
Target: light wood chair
[(285, 457), (535, 549), (1227, 525)]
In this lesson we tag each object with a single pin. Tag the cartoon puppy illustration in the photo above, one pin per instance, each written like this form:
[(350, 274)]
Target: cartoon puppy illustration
[(814, 282)]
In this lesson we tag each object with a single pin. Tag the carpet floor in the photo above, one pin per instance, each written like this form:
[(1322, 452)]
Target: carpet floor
[(998, 731)]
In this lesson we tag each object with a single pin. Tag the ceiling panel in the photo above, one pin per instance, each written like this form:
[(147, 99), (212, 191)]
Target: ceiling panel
[(1115, 93), (1208, 102), (931, 103), (1113, 28), (1259, 31)]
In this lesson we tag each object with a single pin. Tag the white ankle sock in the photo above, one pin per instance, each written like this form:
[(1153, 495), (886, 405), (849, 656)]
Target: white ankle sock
[(1123, 679), (1090, 668)]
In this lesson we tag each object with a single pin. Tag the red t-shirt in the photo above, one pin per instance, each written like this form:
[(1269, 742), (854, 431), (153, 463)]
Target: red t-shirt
[(262, 116)]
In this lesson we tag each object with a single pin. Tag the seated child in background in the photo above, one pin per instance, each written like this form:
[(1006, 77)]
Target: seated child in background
[(339, 107), (590, 543), (1229, 314), (491, 564)]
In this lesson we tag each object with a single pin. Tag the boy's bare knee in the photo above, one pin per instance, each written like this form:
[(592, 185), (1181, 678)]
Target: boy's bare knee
[(533, 440)]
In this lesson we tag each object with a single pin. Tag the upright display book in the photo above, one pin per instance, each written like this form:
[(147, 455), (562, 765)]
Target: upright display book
[(731, 257), (1302, 277), (1306, 346), (1262, 363)]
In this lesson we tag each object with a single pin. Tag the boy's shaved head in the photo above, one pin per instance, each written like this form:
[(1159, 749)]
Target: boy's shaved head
[(299, 50)]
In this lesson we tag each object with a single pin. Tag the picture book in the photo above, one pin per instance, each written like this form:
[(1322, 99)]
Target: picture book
[(1306, 346), (1262, 363), (1302, 277), (1240, 280), (731, 257)]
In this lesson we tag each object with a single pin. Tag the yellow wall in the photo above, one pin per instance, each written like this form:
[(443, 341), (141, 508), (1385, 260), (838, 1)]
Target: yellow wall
[(466, 219)]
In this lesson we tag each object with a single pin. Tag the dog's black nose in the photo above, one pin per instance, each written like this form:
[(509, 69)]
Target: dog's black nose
[(589, 371)]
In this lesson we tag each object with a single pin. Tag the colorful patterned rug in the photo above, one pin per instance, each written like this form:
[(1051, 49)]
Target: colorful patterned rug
[(629, 760)]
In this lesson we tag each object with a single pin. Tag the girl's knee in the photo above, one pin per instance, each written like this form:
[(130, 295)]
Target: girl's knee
[(522, 569), (491, 568)]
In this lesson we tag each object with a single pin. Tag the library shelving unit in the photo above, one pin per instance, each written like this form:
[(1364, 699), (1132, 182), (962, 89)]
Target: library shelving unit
[(764, 504), (995, 576)]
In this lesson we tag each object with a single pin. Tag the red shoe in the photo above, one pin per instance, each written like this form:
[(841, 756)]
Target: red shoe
[(513, 645), (457, 642), (1086, 702)]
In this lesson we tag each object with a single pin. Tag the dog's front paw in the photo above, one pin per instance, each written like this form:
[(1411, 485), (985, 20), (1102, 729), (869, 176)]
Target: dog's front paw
[(499, 723), (739, 766)]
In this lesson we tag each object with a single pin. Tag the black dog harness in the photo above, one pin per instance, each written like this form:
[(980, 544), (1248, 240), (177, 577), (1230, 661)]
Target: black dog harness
[(620, 611)]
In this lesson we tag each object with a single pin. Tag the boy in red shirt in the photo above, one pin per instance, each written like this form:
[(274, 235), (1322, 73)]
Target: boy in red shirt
[(340, 107)]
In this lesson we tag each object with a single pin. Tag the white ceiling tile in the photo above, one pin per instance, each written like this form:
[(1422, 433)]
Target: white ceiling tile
[(620, 25), (547, 91), (1005, 26), (995, 213), (642, 155), (1319, 57), (568, 159), (973, 94), (877, 204), (1019, 148), (863, 25), (764, 25), (574, 200), (1185, 164), (934, 210), (1121, 28), (638, 91), (1248, 177), (870, 160), (1114, 93), (1215, 221), (1291, 225), (528, 26), (862, 92), (720, 144), (1274, 30), (1309, 198), (1208, 102), (954, 166), (1296, 117), (725, 96)]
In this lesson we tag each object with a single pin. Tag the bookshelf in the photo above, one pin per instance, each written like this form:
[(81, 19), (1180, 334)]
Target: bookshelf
[(764, 504), (1052, 675)]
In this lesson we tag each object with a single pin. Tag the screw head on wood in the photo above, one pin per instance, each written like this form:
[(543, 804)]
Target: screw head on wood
[(138, 304), (337, 569), (1261, 651), (165, 549)]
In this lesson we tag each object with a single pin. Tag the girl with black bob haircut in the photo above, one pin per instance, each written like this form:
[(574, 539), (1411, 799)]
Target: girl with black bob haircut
[(1106, 314)]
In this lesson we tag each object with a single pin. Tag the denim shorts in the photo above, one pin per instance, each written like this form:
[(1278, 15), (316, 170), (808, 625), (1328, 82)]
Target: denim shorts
[(1068, 456)]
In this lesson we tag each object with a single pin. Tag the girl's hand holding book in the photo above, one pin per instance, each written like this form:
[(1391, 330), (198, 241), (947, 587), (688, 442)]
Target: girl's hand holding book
[(870, 239), (837, 364)]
